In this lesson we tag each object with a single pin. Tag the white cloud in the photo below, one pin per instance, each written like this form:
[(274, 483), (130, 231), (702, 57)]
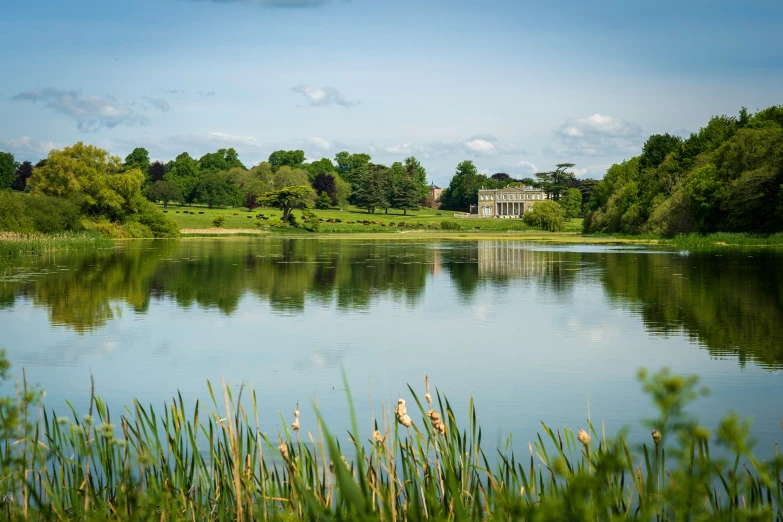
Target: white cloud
[(526, 166), (26, 148), (211, 139), (318, 143), (90, 112), (323, 96), (597, 135), (481, 147)]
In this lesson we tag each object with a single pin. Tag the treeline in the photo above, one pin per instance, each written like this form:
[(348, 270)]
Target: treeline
[(220, 179), (727, 177), (79, 188)]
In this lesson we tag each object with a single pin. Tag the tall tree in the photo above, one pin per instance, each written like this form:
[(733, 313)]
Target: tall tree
[(290, 177), (156, 171), (185, 172), (463, 187), (22, 174), (138, 159), (554, 182), (370, 190), (223, 159), (418, 174), (350, 166), (571, 201), (407, 195), (7, 170), (286, 158), (288, 199), (216, 189), (325, 184), (97, 176), (164, 191)]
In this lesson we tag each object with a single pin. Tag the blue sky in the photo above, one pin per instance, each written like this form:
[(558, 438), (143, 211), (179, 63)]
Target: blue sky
[(515, 86)]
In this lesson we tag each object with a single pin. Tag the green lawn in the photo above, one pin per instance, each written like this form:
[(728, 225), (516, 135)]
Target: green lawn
[(199, 217)]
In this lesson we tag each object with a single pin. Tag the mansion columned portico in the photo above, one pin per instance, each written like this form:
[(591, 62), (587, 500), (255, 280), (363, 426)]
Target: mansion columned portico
[(508, 202)]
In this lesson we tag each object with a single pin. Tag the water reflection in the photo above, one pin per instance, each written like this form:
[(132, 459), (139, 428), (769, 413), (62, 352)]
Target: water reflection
[(730, 304)]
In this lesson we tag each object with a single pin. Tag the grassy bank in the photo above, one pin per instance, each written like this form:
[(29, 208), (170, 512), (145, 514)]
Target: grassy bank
[(217, 463), (350, 220)]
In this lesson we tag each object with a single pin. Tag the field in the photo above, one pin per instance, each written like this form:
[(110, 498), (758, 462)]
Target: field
[(200, 218)]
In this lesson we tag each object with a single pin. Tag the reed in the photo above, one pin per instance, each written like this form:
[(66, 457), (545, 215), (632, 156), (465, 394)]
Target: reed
[(14, 244), (214, 462)]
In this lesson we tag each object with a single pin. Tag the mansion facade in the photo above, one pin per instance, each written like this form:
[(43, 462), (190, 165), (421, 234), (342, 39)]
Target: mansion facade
[(508, 202)]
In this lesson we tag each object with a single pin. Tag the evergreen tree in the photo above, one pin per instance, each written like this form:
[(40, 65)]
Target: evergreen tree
[(370, 190)]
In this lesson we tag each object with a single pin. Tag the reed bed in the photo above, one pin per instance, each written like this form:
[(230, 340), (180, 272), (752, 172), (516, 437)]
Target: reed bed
[(724, 239), (14, 244), (214, 462)]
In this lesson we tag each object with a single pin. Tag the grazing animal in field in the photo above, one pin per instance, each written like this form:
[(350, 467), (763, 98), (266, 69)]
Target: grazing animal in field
[(200, 213), (165, 211), (338, 220), (236, 213), (249, 217)]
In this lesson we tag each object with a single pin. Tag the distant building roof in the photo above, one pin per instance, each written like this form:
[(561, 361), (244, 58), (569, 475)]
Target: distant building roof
[(434, 186)]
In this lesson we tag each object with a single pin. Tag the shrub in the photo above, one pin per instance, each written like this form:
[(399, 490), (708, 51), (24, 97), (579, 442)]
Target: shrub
[(134, 229), (546, 215), (310, 221), (12, 215), (53, 215), (159, 224), (450, 225), (323, 202), (218, 221)]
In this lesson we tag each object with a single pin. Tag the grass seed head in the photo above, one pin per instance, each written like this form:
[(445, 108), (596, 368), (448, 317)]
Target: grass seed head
[(583, 437), (656, 435)]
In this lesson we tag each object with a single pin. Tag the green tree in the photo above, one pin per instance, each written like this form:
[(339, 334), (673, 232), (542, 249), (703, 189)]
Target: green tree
[(286, 158), (321, 166), (223, 159), (323, 202), (216, 189), (290, 177), (164, 190), (138, 159), (371, 188), (254, 183), (555, 182), (7, 170), (288, 199), (546, 215), (418, 174), (656, 148), (185, 172), (463, 187), (350, 166), (93, 174), (407, 192), (571, 203), (156, 171), (342, 191)]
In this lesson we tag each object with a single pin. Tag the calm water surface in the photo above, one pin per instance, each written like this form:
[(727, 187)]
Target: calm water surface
[(533, 332)]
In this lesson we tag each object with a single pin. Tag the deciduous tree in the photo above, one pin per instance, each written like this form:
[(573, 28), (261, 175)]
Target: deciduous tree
[(288, 199)]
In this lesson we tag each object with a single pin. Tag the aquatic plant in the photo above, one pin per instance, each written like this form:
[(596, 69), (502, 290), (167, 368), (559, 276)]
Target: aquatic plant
[(216, 463)]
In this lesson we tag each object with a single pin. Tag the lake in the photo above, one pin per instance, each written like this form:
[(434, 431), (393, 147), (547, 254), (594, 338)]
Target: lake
[(534, 332)]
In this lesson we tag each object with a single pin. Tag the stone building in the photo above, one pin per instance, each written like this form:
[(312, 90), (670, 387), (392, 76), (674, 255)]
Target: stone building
[(433, 198), (508, 202)]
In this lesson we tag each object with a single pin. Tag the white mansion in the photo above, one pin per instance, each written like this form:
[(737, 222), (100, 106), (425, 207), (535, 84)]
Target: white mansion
[(508, 202)]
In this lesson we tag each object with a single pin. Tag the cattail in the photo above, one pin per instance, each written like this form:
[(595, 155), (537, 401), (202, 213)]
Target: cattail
[(283, 448), (583, 437), (427, 388), (437, 424), (295, 424), (656, 435), (402, 414)]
